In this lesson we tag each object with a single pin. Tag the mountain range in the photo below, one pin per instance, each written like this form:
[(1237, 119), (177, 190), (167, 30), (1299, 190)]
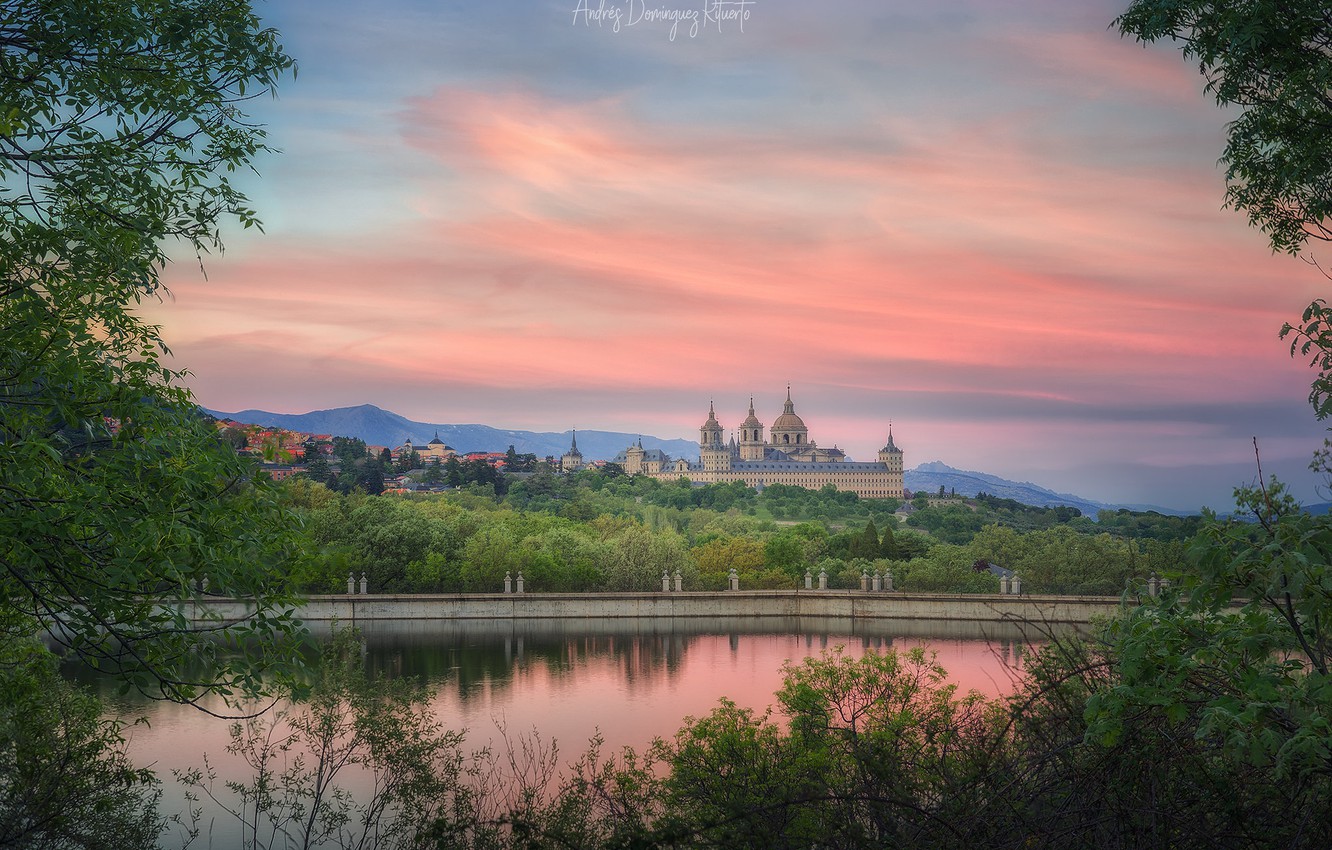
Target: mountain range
[(380, 427)]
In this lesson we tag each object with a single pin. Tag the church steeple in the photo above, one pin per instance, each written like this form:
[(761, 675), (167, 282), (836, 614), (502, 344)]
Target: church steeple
[(573, 459)]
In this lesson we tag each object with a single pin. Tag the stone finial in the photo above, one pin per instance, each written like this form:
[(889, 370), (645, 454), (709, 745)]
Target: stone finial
[(351, 584), (809, 580), (520, 582), (679, 582), (823, 579), (508, 582), (365, 582), (887, 579)]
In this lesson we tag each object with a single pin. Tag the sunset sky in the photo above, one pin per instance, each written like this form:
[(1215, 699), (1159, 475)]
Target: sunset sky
[(997, 225)]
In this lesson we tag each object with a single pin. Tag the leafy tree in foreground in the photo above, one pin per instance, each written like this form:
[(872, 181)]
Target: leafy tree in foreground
[(1274, 61), (64, 779), (120, 131)]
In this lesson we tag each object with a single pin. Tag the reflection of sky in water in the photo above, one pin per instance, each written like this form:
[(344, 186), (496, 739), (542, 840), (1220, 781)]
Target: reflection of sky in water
[(629, 680)]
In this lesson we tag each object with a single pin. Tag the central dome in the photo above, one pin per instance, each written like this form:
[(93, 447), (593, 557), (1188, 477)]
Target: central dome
[(788, 421), (789, 429)]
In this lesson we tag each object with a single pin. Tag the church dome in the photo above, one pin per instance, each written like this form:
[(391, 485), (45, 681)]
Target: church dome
[(788, 421)]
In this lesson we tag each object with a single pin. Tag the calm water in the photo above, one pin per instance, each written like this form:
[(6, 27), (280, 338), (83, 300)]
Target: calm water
[(627, 680)]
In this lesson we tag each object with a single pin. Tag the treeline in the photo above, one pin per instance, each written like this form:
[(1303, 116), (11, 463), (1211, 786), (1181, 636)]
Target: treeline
[(604, 531)]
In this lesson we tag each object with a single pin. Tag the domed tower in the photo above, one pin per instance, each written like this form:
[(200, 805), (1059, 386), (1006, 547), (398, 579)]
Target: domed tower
[(712, 452), (891, 457), (788, 430), (751, 436), (710, 432)]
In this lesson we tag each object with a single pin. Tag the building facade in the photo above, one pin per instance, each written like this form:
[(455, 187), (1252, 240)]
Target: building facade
[(786, 456)]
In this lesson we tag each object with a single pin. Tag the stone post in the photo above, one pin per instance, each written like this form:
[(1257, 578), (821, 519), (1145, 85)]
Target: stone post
[(887, 579), (679, 582), (877, 582), (823, 579), (864, 580), (665, 582), (520, 582), (508, 583), (1005, 584), (1153, 586), (364, 583), (809, 580), (735, 579), (203, 584), (1017, 585), (351, 584)]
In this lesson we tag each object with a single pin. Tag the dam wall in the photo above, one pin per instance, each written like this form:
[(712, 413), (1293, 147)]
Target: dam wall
[(724, 605)]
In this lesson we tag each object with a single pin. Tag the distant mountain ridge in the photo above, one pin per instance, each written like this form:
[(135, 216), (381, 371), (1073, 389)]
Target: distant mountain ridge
[(379, 427), (930, 476)]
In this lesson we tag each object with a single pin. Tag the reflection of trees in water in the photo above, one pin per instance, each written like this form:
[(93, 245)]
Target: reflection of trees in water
[(484, 658), (475, 657)]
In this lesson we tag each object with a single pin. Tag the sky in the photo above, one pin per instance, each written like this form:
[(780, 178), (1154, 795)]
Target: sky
[(997, 226)]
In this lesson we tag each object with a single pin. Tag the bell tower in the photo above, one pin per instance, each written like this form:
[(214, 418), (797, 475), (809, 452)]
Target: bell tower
[(751, 436), (712, 452), (891, 457)]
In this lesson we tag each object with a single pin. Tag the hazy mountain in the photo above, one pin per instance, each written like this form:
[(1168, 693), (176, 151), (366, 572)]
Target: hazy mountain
[(928, 477), (380, 427)]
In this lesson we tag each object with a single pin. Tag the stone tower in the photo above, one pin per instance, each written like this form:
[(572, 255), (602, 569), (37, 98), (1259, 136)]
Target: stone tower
[(572, 461), (891, 456), (633, 458), (712, 451), (751, 436)]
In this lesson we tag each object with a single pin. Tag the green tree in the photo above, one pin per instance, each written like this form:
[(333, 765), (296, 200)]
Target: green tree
[(122, 126), (453, 473), (888, 546), (64, 778), (866, 544), (1272, 60)]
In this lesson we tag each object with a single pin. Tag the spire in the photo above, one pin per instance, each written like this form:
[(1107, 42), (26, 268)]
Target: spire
[(891, 447), (790, 405), (574, 445)]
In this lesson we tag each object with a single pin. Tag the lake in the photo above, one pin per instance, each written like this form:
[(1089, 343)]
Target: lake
[(629, 680)]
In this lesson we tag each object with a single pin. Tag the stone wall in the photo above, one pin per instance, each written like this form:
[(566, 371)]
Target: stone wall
[(853, 605)]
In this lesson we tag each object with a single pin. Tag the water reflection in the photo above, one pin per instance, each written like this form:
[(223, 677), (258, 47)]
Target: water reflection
[(480, 660), (626, 680)]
